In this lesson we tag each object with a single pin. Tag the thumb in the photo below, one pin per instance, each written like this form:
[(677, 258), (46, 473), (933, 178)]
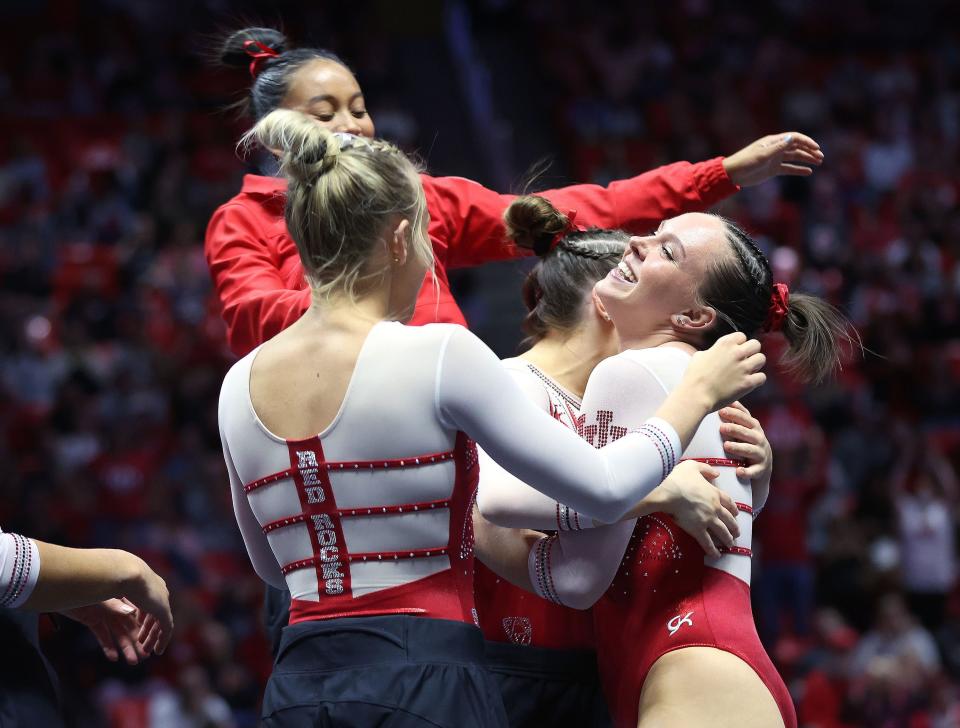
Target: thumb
[(787, 138)]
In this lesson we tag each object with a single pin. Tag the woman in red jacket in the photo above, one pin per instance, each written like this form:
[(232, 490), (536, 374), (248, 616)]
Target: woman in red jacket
[(254, 263)]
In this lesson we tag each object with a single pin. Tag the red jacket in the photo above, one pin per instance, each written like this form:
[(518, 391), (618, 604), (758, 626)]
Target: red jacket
[(259, 280)]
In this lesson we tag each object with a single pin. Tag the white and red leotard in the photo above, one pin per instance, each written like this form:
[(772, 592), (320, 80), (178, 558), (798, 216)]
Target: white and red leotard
[(372, 516), (509, 613), (651, 587)]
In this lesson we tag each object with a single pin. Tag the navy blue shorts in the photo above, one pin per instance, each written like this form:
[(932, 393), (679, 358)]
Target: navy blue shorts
[(397, 671), (543, 687)]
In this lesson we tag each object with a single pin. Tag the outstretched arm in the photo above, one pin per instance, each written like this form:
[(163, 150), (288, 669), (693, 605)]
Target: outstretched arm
[(475, 395), (469, 214), (44, 577)]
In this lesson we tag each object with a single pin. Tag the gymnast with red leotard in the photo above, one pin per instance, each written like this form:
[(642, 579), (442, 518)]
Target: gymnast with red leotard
[(675, 635)]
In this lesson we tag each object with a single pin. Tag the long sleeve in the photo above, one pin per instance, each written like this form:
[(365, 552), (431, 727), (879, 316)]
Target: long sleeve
[(576, 568), (471, 214), (257, 303), (258, 548), (507, 501), (19, 569), (474, 394)]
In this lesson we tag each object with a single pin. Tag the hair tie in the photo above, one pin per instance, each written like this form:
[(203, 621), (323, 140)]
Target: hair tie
[(570, 227), (258, 56), (779, 302)]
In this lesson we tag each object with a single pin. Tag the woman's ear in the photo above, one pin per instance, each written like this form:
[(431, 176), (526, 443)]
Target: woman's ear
[(694, 320), (397, 247), (598, 305)]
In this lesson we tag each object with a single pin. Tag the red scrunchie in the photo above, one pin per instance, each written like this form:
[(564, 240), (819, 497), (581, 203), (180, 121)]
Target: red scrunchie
[(779, 303), (259, 56), (571, 227)]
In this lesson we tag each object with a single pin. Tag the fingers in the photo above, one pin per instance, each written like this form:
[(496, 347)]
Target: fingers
[(718, 529), (164, 638), (757, 361), (736, 416), (752, 454), (706, 471), (802, 155), (130, 652), (737, 337), (750, 472), (794, 170), (105, 638), (756, 380), (707, 544), (802, 140), (152, 637), (730, 526), (730, 507), (741, 433)]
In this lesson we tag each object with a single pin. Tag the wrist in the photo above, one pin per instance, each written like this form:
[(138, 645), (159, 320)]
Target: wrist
[(656, 502), (696, 395), (130, 572)]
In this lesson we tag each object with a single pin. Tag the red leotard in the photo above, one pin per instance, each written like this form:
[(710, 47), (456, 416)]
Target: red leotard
[(665, 595)]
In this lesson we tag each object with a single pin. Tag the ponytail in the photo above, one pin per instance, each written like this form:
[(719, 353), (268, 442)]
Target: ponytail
[(740, 288)]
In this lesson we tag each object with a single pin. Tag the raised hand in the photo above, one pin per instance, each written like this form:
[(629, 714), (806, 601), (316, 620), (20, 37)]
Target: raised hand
[(790, 153)]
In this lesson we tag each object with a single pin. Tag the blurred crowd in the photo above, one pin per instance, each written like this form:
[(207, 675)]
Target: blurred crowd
[(113, 154)]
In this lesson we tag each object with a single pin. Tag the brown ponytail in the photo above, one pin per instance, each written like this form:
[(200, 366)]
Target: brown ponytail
[(740, 287)]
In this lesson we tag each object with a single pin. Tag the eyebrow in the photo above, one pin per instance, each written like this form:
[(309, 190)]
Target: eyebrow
[(330, 99)]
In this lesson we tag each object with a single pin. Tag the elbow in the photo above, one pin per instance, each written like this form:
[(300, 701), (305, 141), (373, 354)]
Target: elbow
[(579, 594), (497, 513)]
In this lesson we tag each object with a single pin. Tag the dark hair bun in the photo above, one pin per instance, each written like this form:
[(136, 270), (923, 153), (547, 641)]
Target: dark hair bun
[(532, 222), (233, 52)]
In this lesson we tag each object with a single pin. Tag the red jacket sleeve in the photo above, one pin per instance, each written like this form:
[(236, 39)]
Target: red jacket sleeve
[(257, 302), (467, 216)]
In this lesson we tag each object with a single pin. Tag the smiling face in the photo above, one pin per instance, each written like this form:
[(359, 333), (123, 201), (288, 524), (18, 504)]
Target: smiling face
[(329, 93), (660, 274)]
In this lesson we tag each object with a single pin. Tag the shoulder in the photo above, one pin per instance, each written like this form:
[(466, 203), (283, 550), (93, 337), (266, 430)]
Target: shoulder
[(641, 366), (235, 382)]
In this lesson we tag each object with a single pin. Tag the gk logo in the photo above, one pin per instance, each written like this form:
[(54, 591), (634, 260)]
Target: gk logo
[(677, 622)]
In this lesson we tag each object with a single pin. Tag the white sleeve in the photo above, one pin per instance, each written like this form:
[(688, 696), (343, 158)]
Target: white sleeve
[(575, 569), (474, 394), (507, 501), (19, 569), (258, 548)]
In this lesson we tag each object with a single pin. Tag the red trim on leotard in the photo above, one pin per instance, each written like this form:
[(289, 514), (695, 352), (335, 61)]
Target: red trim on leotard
[(345, 465), (719, 462)]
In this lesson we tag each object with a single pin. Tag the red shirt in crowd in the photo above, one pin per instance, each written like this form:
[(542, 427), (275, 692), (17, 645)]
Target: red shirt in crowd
[(259, 279)]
